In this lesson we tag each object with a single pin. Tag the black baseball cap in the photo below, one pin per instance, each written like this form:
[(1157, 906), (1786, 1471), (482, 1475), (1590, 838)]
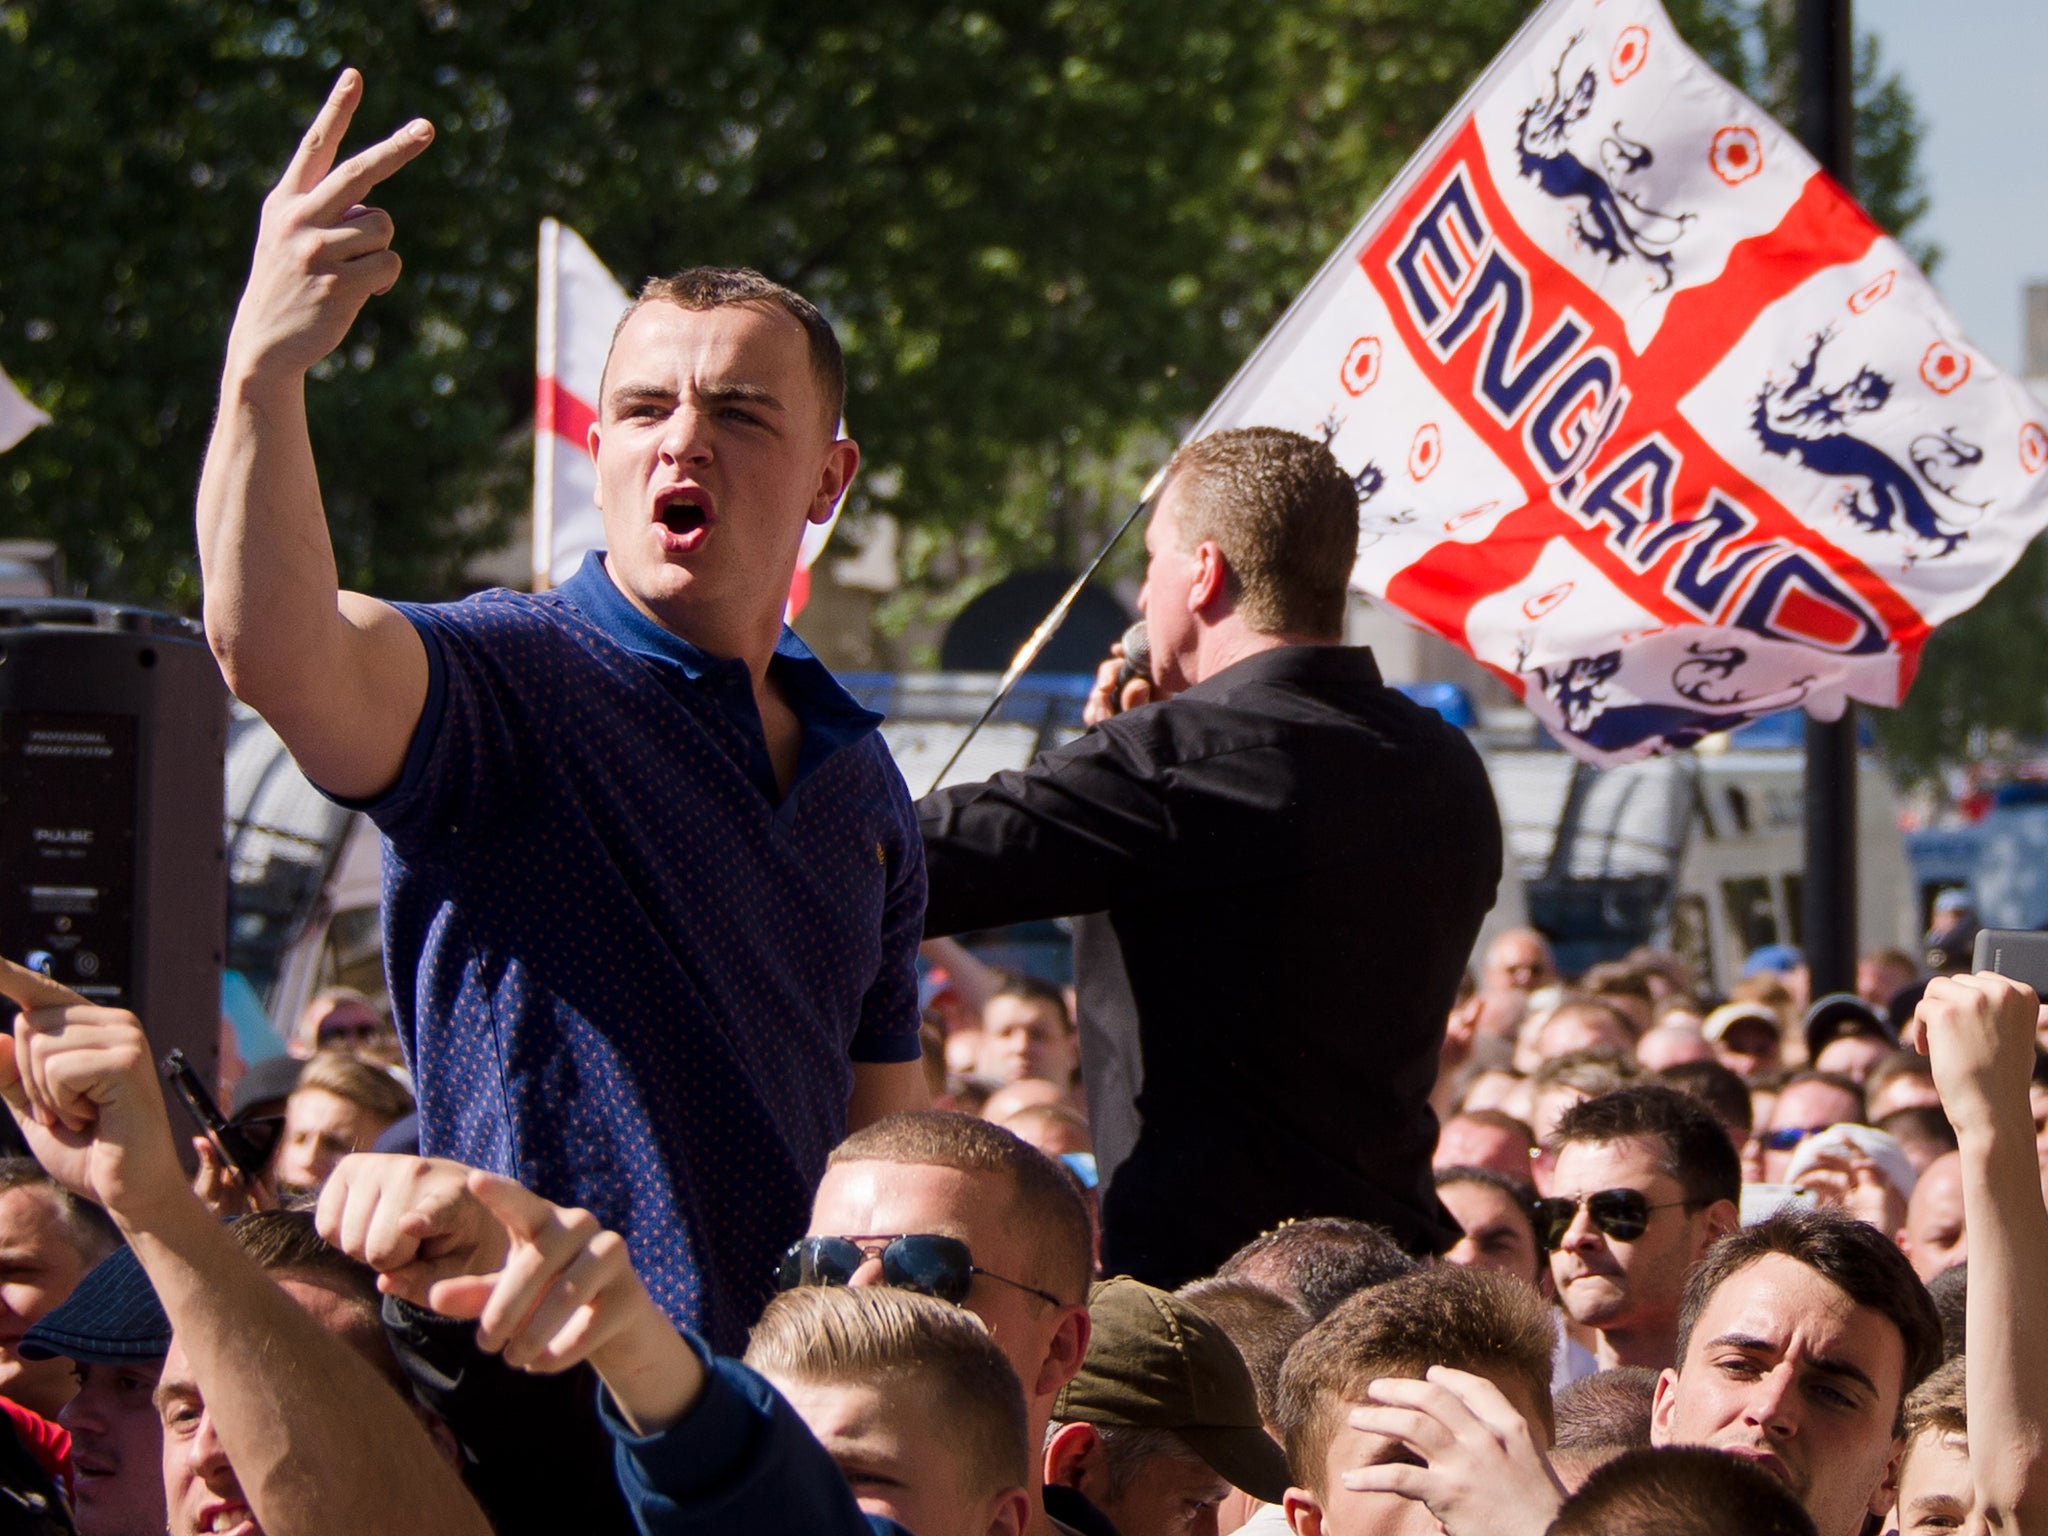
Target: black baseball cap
[(1841, 1014)]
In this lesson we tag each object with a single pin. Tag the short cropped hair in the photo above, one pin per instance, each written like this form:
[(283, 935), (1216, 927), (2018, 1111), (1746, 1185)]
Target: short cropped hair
[(1317, 1262), (1696, 1151), (1848, 1085), (1897, 1065), (286, 1243), (1950, 1293), (1592, 1070), (1264, 1327), (1681, 1490), (1044, 1195), (1598, 1004), (1922, 1128), (369, 1087), (1032, 989), (1522, 1191), (1286, 517), (1938, 1407), (1607, 1411), (91, 1231), (282, 1241), (1722, 1090), (876, 1335), (1851, 1255), (702, 288), (1497, 1120), (1469, 1319)]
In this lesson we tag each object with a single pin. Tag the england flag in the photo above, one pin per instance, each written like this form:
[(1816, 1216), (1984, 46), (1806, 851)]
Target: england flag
[(1643, 411)]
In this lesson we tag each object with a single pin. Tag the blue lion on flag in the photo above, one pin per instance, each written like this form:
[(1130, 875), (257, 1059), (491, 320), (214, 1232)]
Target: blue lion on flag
[(1807, 422), (1615, 223)]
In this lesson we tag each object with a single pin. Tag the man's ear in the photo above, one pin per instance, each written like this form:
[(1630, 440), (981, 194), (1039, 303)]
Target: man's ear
[(1663, 1405), (1063, 1356), (1211, 582), (834, 476), (590, 442), (1074, 1459), (1887, 1493), (1010, 1515), (1304, 1512), (1722, 1217)]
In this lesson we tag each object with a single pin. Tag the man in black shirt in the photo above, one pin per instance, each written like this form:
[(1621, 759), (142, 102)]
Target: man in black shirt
[(1286, 861)]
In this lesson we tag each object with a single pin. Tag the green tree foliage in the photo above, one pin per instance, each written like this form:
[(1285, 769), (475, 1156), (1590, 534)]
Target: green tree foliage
[(1009, 211), (1048, 229)]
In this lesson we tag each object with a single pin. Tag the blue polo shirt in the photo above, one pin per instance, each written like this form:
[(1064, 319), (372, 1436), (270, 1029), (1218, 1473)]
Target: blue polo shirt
[(627, 972)]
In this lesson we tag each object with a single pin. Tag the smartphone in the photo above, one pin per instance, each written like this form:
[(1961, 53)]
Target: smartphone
[(235, 1148), (2019, 953)]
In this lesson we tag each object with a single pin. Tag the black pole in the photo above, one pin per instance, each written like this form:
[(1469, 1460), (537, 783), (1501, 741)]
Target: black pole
[(1827, 125)]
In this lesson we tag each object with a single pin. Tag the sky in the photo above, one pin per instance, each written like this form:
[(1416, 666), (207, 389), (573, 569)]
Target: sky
[(1976, 69)]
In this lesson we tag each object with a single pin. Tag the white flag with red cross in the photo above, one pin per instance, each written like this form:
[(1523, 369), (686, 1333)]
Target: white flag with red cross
[(580, 305), (1643, 411)]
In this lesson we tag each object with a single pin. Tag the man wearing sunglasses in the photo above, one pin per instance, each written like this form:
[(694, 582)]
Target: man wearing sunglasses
[(1645, 1181), (1809, 1103), (965, 1211)]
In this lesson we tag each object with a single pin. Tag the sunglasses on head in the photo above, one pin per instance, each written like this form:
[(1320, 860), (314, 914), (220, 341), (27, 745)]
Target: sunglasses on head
[(926, 1262), (1623, 1214)]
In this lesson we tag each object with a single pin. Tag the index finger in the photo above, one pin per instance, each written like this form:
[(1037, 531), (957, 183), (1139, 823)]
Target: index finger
[(350, 182), (29, 990), (314, 157), (525, 1214)]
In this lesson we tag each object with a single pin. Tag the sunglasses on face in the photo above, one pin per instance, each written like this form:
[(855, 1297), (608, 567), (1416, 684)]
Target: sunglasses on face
[(1785, 1138), (1623, 1214), (925, 1262)]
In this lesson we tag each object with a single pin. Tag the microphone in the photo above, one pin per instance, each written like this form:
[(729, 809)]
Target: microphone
[(1137, 660)]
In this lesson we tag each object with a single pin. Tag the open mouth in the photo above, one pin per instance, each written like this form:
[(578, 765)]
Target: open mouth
[(685, 514), (682, 517)]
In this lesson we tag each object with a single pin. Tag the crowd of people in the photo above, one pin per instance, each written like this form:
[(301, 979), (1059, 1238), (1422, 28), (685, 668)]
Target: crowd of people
[(680, 1193), (1676, 1307)]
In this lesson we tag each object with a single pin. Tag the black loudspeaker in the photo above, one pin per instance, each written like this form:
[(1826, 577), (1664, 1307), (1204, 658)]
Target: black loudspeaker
[(113, 735)]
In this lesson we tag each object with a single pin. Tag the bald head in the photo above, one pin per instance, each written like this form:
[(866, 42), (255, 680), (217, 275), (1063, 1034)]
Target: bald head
[(1934, 1237)]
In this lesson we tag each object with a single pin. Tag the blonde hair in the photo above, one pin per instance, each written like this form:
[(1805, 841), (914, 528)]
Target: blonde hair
[(878, 1336), (364, 1084)]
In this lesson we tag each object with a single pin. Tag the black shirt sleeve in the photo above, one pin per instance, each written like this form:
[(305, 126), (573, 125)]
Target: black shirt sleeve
[(1075, 832)]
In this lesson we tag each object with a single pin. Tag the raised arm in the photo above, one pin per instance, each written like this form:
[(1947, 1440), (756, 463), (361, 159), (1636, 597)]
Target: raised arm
[(1978, 1032), (299, 1413), (339, 676)]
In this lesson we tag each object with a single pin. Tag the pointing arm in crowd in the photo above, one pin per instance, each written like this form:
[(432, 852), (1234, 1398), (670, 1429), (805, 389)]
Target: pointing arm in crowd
[(288, 1440)]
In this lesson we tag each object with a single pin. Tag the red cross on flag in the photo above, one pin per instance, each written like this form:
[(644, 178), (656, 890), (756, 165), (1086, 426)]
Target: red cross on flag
[(580, 305), (1643, 411)]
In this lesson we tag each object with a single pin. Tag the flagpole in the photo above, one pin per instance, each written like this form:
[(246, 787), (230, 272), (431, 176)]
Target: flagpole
[(544, 374), (1828, 893), (1048, 627)]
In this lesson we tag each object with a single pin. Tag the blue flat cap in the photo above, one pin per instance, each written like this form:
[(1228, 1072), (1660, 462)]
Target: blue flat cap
[(111, 1317)]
